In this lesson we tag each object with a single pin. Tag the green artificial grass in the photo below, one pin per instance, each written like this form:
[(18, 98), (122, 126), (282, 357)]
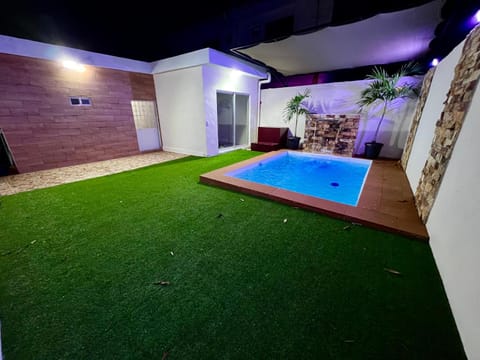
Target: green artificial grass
[(246, 278)]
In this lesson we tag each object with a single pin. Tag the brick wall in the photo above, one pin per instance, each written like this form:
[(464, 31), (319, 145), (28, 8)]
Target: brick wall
[(448, 127), (142, 86), (44, 131)]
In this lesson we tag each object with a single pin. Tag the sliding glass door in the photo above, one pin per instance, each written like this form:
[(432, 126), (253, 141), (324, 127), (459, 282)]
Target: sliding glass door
[(233, 122)]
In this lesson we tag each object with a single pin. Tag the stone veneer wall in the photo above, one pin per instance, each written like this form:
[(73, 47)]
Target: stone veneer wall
[(459, 97), (427, 81), (44, 131), (333, 134)]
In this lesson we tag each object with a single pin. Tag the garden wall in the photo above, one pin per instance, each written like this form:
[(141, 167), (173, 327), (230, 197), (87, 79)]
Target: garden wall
[(443, 170), (449, 125), (425, 90), (45, 131), (341, 98)]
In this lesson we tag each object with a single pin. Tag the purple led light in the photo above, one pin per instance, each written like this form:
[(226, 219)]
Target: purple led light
[(434, 62), (474, 20)]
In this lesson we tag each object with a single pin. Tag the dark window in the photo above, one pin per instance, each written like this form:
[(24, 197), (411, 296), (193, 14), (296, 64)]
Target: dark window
[(80, 101)]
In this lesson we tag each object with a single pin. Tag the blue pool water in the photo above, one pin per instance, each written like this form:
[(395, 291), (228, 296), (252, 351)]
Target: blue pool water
[(324, 176)]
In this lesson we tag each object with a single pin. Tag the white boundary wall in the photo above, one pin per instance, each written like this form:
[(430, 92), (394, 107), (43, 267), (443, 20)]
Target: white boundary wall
[(431, 113), (340, 98), (454, 218)]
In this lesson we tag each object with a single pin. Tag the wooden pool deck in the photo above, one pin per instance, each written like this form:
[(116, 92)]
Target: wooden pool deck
[(386, 202)]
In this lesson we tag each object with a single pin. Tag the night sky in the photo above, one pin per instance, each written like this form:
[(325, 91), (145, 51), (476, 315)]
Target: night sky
[(133, 29)]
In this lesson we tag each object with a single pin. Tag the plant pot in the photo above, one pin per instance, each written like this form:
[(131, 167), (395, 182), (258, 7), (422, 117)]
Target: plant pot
[(292, 142), (372, 149)]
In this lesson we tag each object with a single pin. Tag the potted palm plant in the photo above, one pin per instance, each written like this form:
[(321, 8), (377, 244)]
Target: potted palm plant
[(293, 109), (384, 89)]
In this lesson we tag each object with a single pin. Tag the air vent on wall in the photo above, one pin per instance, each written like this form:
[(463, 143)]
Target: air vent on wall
[(80, 101)]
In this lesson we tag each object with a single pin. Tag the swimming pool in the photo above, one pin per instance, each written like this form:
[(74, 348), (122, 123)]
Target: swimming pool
[(386, 201), (322, 176)]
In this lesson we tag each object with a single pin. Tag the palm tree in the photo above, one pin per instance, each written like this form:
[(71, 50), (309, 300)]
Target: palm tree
[(295, 107), (385, 88)]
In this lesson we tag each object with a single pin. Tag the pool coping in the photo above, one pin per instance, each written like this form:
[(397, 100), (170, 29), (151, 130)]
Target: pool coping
[(386, 202)]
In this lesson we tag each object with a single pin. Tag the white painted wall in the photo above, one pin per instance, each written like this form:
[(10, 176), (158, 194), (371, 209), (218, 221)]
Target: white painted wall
[(431, 113), (186, 89), (454, 217), (187, 106), (341, 98), (181, 110), (183, 61), (453, 227), (218, 78)]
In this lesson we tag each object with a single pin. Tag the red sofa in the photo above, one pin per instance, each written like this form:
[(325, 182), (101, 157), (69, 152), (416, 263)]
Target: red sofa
[(270, 138)]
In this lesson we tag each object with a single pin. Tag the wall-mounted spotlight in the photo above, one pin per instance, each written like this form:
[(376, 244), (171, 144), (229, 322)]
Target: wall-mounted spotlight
[(476, 17), (235, 74), (73, 65)]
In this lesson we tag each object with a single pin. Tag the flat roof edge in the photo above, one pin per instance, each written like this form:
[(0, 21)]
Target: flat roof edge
[(35, 49), (204, 57)]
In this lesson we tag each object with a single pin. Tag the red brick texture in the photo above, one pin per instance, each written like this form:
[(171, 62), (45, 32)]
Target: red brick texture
[(44, 131), (142, 86)]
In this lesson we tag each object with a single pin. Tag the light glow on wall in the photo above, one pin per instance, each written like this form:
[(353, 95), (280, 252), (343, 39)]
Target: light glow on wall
[(232, 79), (477, 17), (235, 74), (472, 21), (73, 65)]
